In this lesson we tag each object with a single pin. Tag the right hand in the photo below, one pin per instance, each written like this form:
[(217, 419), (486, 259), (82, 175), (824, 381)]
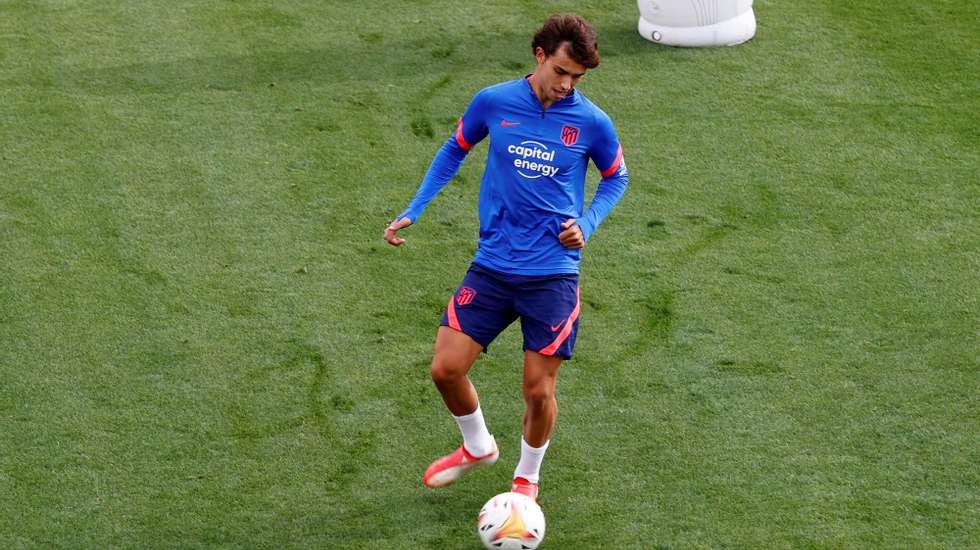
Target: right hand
[(393, 228), (571, 236)]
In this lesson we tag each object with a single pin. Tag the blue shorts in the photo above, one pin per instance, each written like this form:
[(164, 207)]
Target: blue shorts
[(488, 301)]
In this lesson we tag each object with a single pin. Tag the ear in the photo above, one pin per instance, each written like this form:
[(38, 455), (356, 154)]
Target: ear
[(539, 55)]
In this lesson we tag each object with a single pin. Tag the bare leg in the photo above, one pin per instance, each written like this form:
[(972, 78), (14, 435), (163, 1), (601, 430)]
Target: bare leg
[(540, 378), (455, 354)]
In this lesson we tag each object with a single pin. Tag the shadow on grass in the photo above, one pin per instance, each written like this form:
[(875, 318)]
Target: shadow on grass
[(369, 59)]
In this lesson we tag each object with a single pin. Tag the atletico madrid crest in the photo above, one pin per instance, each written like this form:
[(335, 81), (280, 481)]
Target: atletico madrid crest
[(569, 135), (465, 295)]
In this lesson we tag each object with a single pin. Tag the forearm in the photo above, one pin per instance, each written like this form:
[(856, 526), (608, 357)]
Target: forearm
[(609, 192), (442, 169)]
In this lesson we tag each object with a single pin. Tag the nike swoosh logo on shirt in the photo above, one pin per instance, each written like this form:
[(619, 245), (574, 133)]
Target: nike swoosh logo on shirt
[(507, 123)]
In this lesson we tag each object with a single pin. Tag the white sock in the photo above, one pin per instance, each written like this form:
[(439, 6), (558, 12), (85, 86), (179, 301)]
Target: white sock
[(476, 437), (529, 466)]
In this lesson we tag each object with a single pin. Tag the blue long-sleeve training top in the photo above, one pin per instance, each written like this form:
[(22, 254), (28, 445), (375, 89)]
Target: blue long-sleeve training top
[(535, 175)]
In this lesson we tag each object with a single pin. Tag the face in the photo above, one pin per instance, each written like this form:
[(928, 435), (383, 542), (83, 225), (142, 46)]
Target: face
[(556, 74)]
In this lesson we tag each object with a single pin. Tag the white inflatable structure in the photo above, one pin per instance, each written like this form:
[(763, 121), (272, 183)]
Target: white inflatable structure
[(696, 23)]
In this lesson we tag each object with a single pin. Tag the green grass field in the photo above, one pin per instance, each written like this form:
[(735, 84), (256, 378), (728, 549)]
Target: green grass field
[(204, 342)]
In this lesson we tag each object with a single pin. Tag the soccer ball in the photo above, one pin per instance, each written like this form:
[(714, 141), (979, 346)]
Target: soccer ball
[(511, 521)]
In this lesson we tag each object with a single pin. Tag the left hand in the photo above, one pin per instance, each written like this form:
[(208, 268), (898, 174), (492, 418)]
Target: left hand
[(395, 227), (572, 236)]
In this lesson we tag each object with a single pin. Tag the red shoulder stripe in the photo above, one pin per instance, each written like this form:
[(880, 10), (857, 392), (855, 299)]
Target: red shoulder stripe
[(615, 165), (459, 136)]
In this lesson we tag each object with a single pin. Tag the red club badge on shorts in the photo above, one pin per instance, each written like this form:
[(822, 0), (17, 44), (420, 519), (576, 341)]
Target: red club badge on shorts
[(465, 295), (569, 135)]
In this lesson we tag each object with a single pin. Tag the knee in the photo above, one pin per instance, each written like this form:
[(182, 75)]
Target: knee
[(538, 394), (443, 371)]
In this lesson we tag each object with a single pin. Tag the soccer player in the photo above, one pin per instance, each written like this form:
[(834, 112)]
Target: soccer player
[(533, 226)]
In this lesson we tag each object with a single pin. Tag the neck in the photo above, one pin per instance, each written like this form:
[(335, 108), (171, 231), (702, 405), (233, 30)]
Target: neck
[(543, 97)]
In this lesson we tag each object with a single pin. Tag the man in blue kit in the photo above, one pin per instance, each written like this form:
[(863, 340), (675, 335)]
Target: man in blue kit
[(533, 225)]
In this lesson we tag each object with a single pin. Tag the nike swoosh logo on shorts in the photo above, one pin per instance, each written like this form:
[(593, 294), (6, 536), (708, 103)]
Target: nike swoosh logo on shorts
[(558, 326)]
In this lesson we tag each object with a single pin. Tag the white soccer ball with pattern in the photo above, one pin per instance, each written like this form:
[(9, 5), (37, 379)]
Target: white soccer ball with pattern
[(511, 521)]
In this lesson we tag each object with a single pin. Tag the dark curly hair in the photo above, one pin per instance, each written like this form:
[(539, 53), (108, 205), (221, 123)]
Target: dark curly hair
[(572, 31)]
